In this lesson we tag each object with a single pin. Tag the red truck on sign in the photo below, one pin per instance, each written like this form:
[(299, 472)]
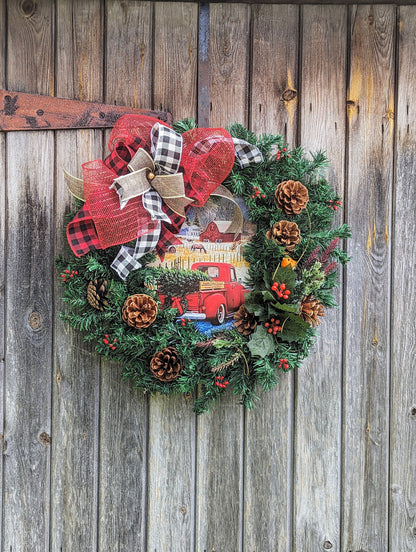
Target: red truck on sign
[(217, 297)]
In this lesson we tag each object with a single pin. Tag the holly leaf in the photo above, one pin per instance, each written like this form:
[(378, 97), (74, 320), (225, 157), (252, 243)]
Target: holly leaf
[(286, 276), (261, 343), (253, 302), (287, 307), (294, 329)]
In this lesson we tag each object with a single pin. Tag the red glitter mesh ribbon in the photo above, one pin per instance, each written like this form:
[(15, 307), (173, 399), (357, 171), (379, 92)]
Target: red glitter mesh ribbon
[(207, 159)]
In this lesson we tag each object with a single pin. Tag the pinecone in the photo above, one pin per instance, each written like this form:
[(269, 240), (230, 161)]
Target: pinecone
[(165, 364), (139, 310), (286, 233), (291, 196), (97, 293), (245, 322), (310, 309)]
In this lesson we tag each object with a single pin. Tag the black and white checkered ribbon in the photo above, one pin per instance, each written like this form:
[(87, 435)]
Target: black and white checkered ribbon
[(246, 153), (128, 258), (166, 150)]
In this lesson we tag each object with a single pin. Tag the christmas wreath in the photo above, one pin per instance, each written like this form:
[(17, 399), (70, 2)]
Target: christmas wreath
[(186, 301)]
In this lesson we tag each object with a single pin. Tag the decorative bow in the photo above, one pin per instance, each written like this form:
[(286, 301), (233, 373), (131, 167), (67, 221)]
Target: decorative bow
[(123, 201)]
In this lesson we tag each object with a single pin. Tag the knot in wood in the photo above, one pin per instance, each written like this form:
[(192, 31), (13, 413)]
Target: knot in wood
[(413, 411), (35, 320), (327, 545), (289, 94), (28, 7), (45, 439)]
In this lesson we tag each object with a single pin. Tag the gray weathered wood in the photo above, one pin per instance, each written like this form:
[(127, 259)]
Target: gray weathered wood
[(171, 456), (402, 521), (319, 381), (2, 249), (124, 410), (76, 366), (220, 434), (29, 272), (274, 70), (269, 427), (367, 322), (229, 59), (175, 58)]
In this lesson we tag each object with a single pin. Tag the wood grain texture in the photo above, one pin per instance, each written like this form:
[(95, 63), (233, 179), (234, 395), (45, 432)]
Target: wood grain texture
[(268, 475), (274, 70), (229, 52), (171, 449), (317, 485), (29, 294), (366, 341), (30, 46), (76, 381), (129, 47), (3, 251), (220, 434), (175, 58), (124, 410), (403, 378)]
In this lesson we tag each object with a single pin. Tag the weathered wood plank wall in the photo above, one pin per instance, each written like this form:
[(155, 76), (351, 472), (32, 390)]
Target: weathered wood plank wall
[(327, 460)]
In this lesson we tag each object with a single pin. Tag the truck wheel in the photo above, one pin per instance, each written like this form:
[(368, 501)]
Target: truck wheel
[(220, 315)]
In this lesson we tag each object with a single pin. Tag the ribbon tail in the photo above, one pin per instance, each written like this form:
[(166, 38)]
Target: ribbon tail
[(247, 154), (127, 258)]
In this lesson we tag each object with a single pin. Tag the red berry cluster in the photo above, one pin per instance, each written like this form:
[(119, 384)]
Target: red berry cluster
[(281, 290), (220, 383), (284, 364), (106, 341), (66, 274), (273, 326), (183, 321), (280, 153), (257, 193), (334, 204)]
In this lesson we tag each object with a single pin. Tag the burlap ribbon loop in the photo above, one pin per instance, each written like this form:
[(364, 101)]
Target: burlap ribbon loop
[(142, 178)]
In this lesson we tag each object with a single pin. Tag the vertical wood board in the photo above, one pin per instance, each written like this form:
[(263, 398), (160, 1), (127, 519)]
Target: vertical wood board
[(229, 49), (29, 295), (319, 382), (274, 70), (175, 58), (402, 520), (124, 410), (268, 461), (3, 250), (171, 454), (366, 339), (76, 367), (220, 434)]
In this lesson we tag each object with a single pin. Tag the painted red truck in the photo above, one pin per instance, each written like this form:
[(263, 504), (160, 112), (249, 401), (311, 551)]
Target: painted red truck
[(218, 297)]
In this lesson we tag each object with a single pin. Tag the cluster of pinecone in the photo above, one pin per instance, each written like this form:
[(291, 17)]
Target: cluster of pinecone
[(291, 197)]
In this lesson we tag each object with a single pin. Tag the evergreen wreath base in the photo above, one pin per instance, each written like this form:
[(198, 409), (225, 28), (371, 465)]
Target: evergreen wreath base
[(226, 360)]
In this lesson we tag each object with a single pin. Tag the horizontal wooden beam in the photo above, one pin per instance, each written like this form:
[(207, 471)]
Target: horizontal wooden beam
[(23, 111), (317, 2)]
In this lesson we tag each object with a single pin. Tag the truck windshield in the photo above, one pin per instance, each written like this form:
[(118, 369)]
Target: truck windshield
[(212, 271)]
